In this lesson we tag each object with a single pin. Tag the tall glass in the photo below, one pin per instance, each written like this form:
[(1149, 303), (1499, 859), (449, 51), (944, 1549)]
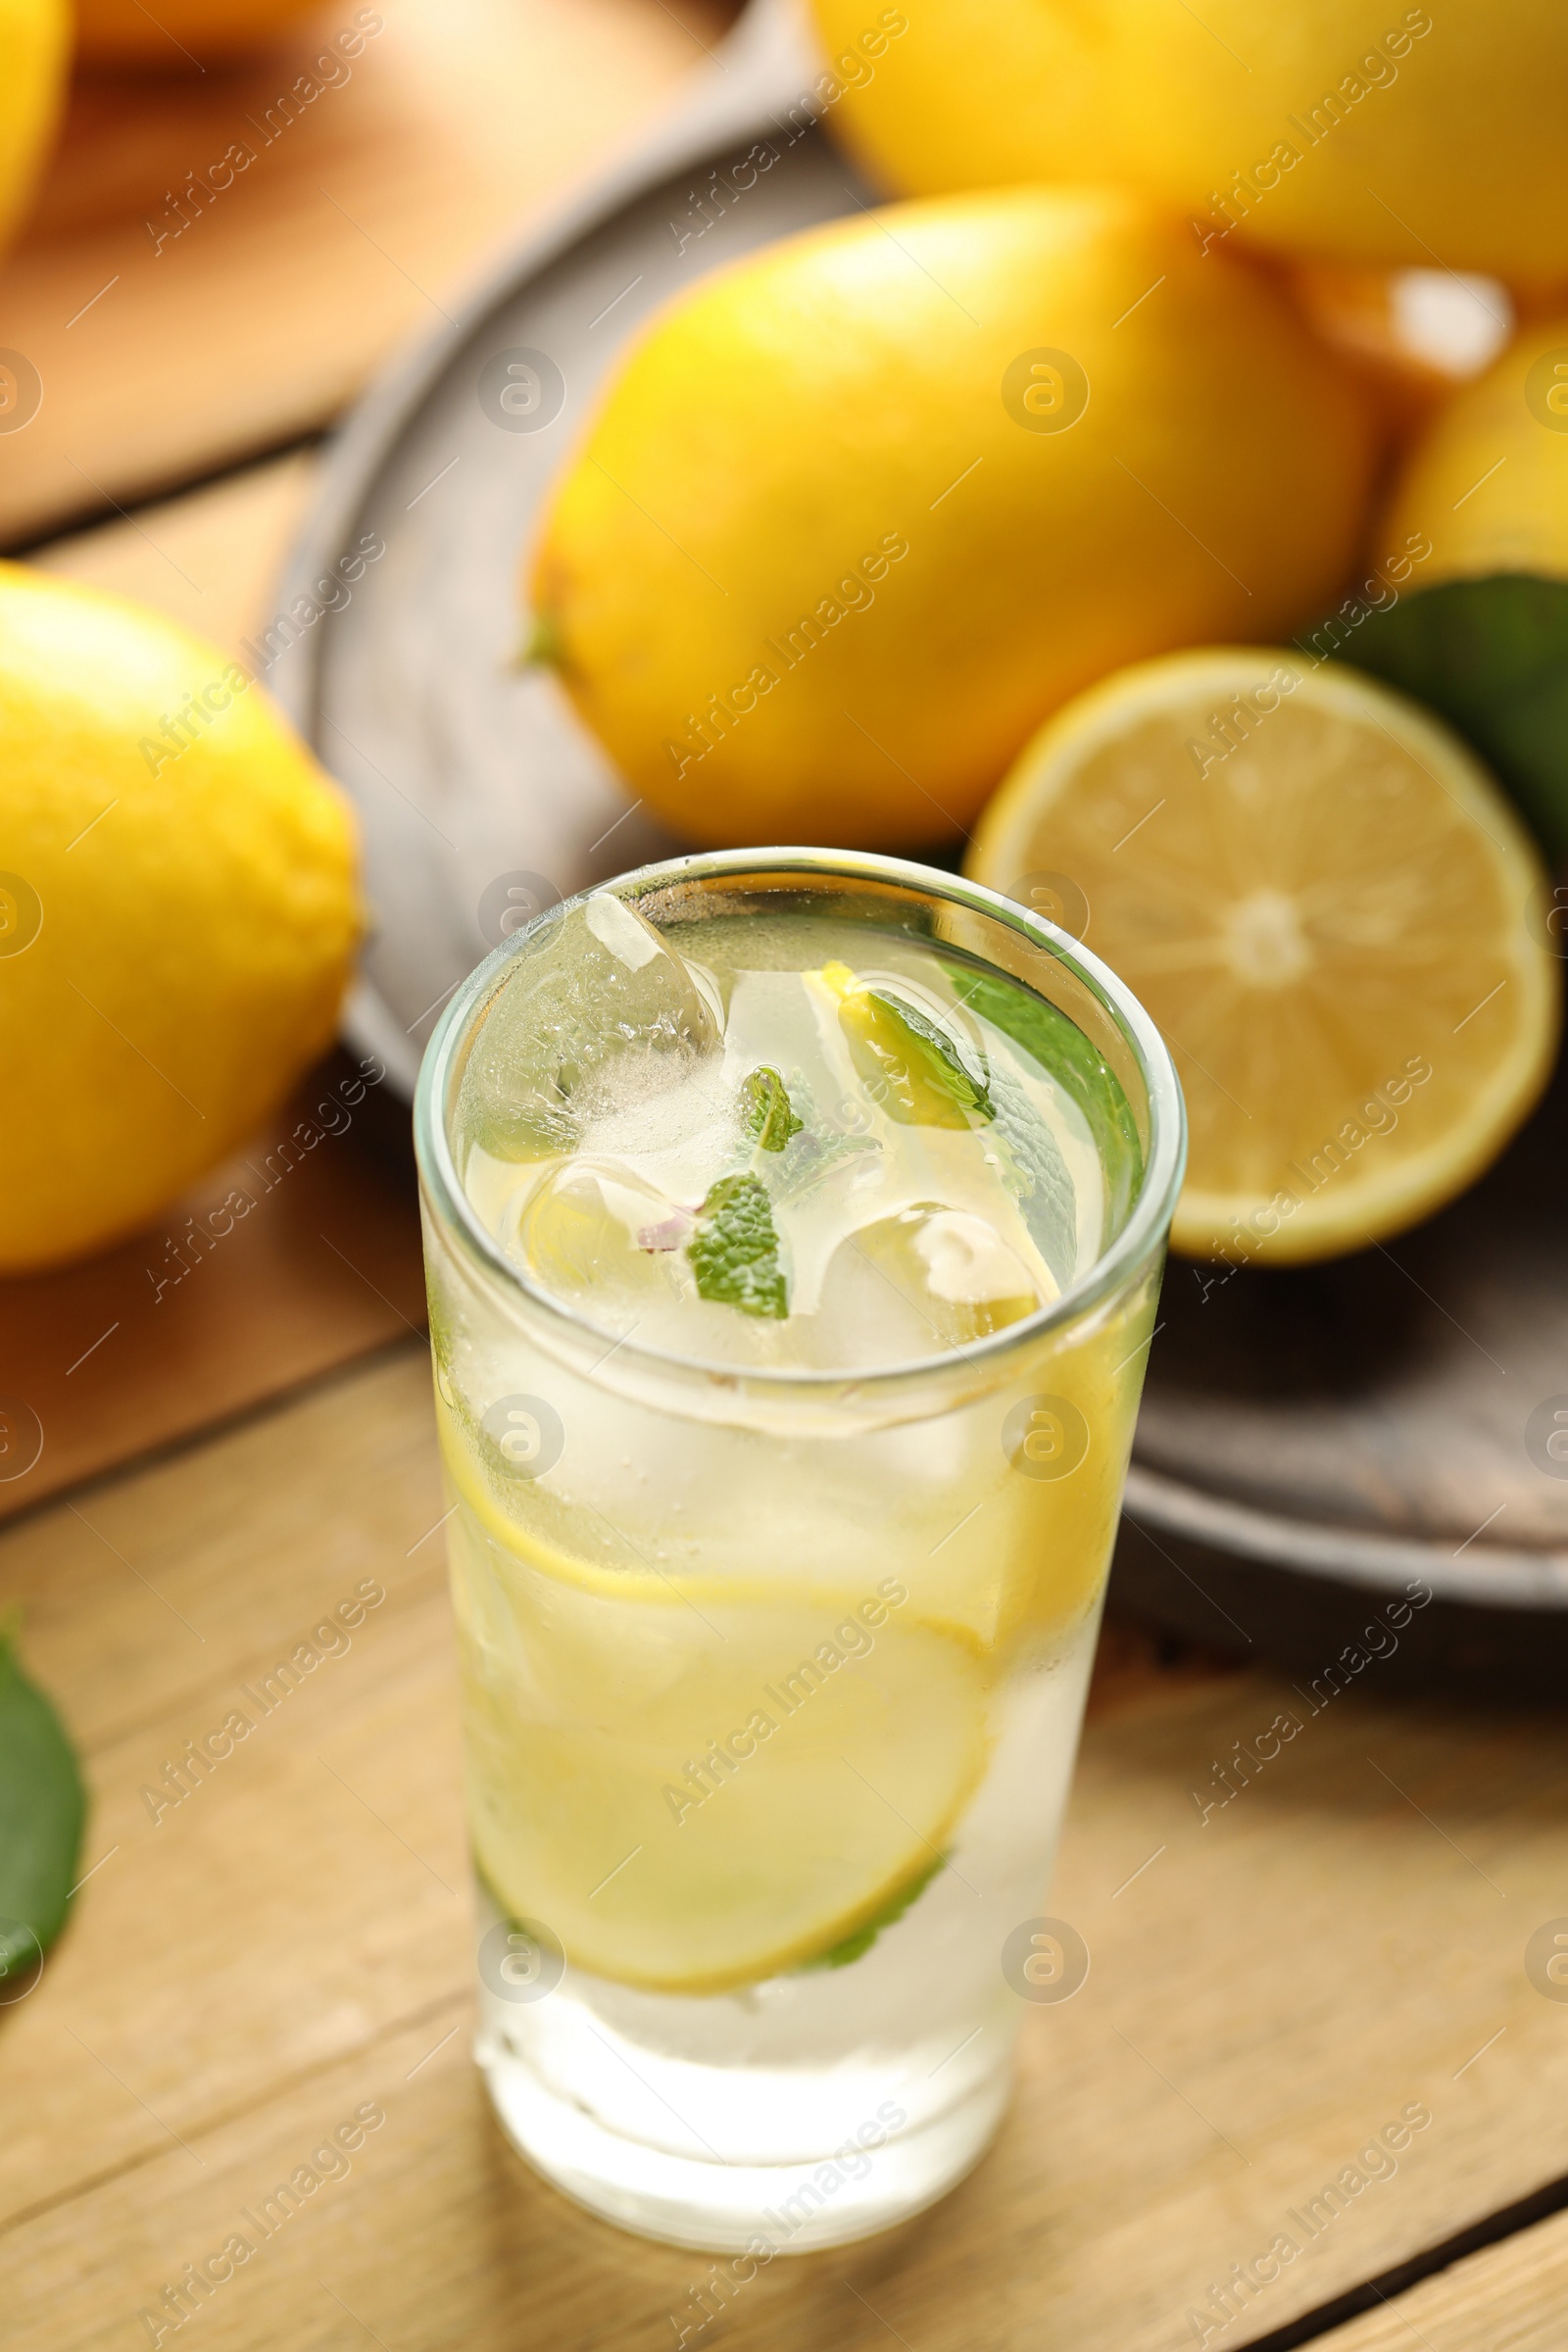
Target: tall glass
[(724, 1631)]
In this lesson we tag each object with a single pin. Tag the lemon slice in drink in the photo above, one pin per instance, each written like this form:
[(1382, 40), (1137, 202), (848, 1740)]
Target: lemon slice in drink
[(693, 1794), (1031, 1556), (1331, 911)]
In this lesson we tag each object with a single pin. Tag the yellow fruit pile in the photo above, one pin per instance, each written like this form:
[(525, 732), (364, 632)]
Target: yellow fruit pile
[(861, 514)]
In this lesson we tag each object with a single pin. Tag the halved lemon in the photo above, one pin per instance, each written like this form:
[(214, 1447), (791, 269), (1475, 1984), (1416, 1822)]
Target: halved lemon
[(1331, 911)]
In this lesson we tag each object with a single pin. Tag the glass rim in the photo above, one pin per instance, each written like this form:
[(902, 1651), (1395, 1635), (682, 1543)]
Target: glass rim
[(1163, 1164)]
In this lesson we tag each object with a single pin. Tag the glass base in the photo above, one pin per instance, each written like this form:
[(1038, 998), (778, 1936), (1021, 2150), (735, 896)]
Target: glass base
[(728, 2208), (816, 2106)]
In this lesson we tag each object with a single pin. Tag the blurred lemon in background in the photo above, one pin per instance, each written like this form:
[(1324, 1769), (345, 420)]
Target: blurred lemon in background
[(122, 32), (34, 49), (1332, 913), (1416, 336), (1483, 636), (1351, 129), (1488, 482), (858, 511), (178, 910)]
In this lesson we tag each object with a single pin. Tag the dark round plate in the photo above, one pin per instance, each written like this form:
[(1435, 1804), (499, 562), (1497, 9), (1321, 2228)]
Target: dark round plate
[(1314, 1443)]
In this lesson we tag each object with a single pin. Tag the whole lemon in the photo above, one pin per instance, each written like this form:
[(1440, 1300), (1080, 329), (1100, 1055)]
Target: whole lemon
[(120, 32), (1481, 630), (1488, 481), (859, 513), (34, 43), (1358, 129), (178, 910), (1413, 336)]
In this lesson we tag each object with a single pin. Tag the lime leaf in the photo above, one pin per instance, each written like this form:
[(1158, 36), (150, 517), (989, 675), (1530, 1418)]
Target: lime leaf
[(1075, 1062), (42, 1806), (912, 1068), (853, 1947), (765, 1111), (734, 1251), (1491, 656)]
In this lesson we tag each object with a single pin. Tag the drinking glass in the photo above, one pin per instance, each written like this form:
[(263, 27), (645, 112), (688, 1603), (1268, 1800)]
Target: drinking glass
[(734, 1639)]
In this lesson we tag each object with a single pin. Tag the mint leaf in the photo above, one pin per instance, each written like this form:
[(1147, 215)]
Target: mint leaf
[(765, 1111), (822, 1151), (854, 1947), (911, 1066), (938, 1053), (734, 1251), (42, 1806), (1037, 1175), (1056, 1042)]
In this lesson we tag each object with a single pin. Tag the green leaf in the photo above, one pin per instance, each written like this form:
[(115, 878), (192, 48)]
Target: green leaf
[(943, 1064), (1491, 656), (42, 1807), (853, 1947), (765, 1111), (1037, 1174), (1066, 1055), (734, 1251), (912, 1068)]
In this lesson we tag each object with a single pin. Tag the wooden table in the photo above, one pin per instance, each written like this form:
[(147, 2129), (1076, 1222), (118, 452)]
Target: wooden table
[(1341, 1946)]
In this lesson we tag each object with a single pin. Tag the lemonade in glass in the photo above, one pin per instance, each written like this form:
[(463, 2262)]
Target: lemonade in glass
[(794, 1222)]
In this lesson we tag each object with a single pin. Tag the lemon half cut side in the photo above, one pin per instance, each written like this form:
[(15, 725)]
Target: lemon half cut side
[(1334, 915)]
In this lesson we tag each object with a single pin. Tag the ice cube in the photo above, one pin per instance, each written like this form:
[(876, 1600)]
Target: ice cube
[(620, 1251), (595, 995), (596, 1234), (912, 1284)]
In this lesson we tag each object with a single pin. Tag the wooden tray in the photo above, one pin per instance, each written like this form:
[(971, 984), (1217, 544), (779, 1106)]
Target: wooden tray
[(1312, 1444)]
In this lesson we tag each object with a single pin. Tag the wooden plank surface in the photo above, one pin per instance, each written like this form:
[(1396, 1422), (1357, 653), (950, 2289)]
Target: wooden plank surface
[(154, 1339), (1270, 1989), (210, 559), (159, 1337), (1511, 2297), (165, 351)]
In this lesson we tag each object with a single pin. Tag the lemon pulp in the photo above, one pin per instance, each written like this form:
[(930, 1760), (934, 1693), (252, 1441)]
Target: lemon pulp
[(1325, 903)]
